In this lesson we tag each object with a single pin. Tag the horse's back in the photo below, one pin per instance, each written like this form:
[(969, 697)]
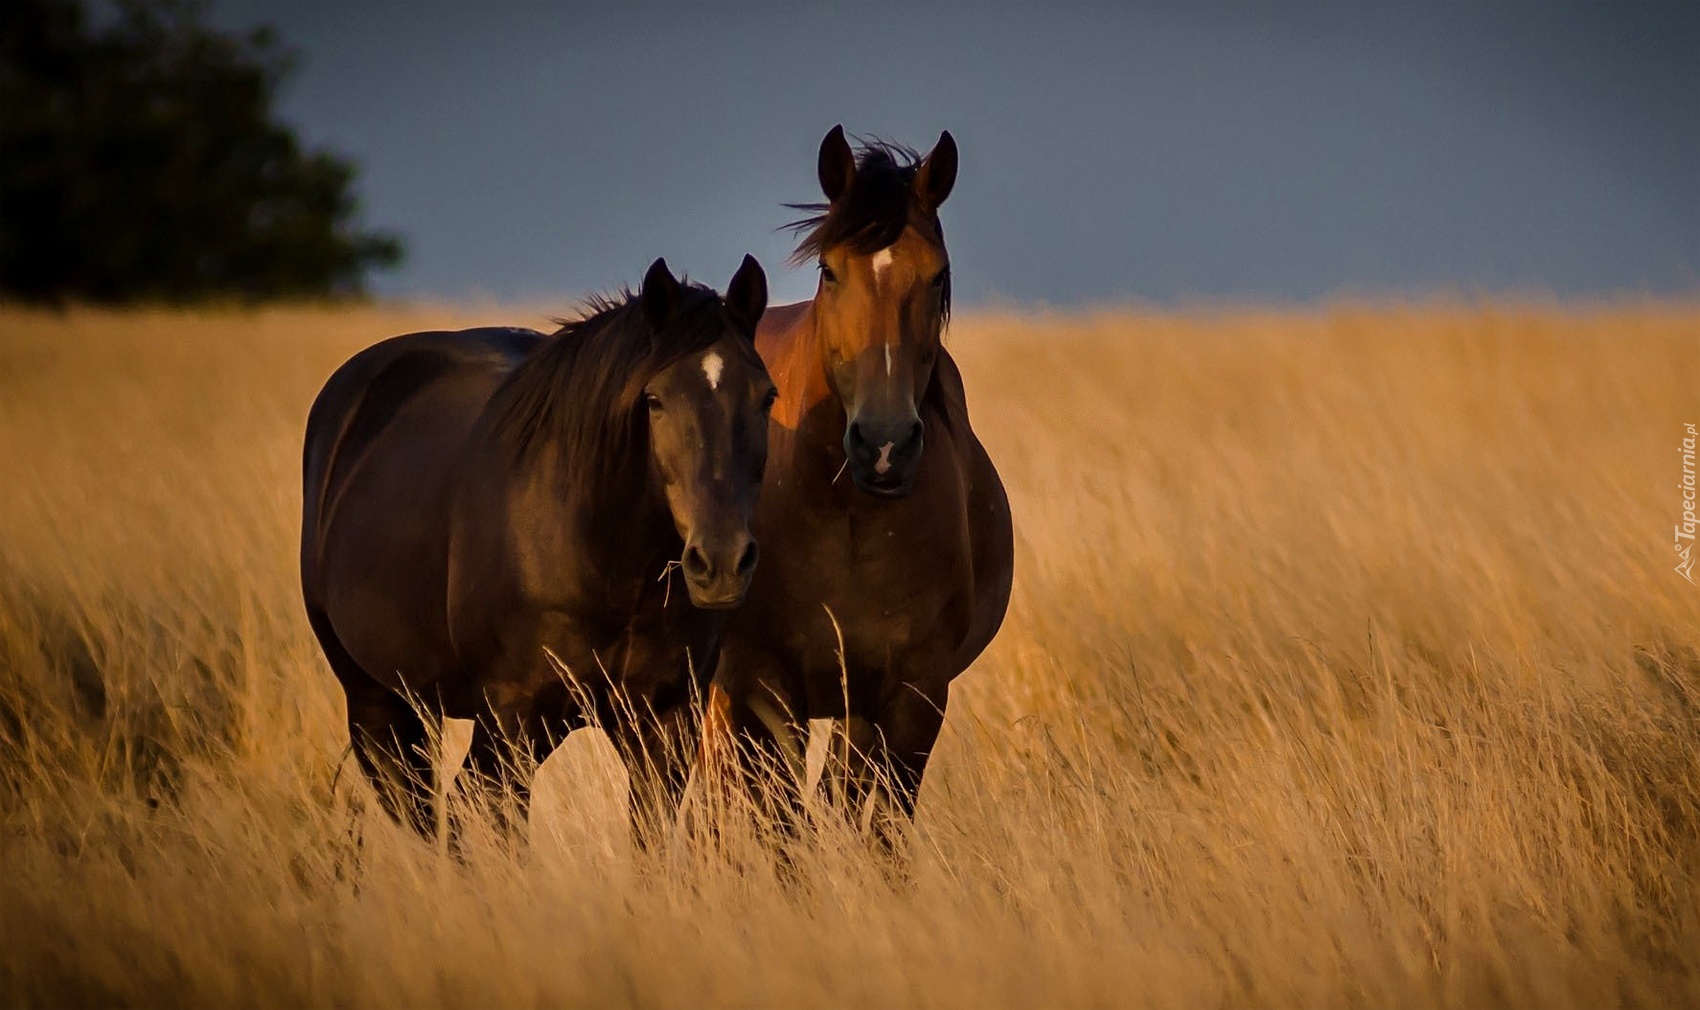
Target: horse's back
[(779, 322), (363, 397), (382, 440)]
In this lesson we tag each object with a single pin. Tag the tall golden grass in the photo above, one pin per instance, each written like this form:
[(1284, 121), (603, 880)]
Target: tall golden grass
[(1347, 666)]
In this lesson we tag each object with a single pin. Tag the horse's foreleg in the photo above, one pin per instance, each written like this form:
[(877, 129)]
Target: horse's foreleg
[(389, 734), (902, 743), (393, 743), (752, 757), (657, 751), (495, 779), (848, 777)]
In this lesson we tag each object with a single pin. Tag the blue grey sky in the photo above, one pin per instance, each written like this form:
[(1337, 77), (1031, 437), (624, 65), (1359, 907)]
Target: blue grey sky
[(1155, 152)]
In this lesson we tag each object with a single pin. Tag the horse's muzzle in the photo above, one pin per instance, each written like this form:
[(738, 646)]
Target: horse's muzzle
[(718, 574), (883, 457)]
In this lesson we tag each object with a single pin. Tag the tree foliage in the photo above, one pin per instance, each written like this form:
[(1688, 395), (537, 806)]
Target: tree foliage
[(141, 160)]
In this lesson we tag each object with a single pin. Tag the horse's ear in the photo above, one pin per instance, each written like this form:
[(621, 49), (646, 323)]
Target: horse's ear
[(937, 174), (660, 296), (746, 296), (836, 166)]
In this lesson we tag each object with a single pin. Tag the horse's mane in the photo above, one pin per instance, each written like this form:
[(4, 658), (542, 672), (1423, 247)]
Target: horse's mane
[(579, 391), (875, 210)]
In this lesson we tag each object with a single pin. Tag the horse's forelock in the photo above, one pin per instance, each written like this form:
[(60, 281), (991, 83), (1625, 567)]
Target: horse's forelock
[(875, 210), (576, 392)]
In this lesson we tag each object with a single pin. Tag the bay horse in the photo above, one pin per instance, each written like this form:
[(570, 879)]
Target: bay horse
[(495, 524), (879, 589)]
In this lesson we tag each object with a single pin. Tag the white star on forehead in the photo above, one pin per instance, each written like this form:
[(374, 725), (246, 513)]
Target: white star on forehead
[(882, 261), (712, 364)]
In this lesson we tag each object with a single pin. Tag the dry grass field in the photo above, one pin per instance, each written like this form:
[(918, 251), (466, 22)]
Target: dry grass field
[(1346, 667)]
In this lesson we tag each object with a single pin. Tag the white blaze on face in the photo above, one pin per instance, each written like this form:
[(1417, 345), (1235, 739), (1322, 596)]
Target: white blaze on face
[(883, 464), (888, 357), (712, 364)]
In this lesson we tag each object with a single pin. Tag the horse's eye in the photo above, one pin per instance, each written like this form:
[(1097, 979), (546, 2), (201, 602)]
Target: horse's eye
[(827, 274), (653, 402), (769, 400), (940, 277)]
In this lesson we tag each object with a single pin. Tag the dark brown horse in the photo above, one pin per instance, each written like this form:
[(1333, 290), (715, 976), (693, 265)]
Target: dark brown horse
[(889, 549), (496, 524)]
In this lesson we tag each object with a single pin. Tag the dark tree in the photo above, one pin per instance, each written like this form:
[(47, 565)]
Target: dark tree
[(140, 161)]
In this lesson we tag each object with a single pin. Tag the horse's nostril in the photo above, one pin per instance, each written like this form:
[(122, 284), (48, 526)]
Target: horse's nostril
[(695, 562), (914, 435), (747, 560), (855, 433)]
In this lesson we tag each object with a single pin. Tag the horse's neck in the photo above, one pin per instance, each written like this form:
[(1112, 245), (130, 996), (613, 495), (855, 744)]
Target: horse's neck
[(585, 536), (620, 521), (791, 350)]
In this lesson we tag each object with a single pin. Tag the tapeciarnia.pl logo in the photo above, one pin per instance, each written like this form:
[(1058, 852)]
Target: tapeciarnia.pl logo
[(1685, 529)]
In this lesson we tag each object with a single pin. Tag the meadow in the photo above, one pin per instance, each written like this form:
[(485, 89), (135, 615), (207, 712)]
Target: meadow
[(1346, 667)]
